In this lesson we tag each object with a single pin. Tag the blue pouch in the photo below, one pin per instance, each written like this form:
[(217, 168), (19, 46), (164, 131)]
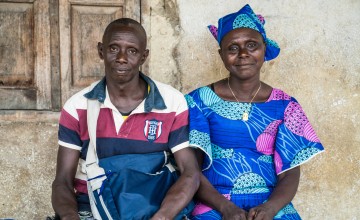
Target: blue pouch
[(135, 186)]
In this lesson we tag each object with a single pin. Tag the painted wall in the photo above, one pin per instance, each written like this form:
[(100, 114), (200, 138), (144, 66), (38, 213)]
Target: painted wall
[(319, 64)]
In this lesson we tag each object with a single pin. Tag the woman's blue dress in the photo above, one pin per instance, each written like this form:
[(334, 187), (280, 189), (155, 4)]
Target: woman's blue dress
[(243, 158)]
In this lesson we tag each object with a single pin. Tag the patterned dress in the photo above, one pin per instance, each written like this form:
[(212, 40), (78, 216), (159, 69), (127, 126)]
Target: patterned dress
[(243, 158)]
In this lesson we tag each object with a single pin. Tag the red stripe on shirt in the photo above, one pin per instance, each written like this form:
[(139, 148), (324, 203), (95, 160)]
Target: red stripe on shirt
[(68, 121)]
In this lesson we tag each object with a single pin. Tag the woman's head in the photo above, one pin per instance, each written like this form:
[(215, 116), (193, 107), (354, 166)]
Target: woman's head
[(245, 18), (243, 52)]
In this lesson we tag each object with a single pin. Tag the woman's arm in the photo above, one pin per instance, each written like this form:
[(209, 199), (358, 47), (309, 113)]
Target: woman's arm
[(282, 195), (209, 196), (63, 196)]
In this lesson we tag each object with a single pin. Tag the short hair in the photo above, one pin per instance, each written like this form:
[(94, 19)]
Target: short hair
[(126, 22)]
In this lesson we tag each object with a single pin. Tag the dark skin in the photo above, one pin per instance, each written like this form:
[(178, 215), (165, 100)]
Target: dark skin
[(242, 52), (63, 195), (123, 50)]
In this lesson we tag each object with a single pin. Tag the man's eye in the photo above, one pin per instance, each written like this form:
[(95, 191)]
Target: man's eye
[(132, 51), (113, 49)]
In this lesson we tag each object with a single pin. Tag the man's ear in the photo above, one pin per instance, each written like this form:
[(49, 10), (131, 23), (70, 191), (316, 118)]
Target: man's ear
[(100, 50), (144, 56)]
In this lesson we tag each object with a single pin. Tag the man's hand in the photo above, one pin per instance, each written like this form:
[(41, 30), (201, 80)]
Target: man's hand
[(71, 217), (63, 196)]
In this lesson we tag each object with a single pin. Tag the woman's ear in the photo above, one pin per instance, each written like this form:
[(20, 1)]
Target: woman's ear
[(100, 50), (264, 51), (220, 53)]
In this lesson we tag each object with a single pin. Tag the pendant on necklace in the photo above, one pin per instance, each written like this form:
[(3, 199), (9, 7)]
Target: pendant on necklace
[(245, 116)]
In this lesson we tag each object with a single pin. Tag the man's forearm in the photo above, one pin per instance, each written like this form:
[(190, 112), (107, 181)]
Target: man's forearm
[(64, 202), (178, 196)]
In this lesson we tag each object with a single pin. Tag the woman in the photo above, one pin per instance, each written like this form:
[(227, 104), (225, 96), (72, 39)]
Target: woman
[(254, 136)]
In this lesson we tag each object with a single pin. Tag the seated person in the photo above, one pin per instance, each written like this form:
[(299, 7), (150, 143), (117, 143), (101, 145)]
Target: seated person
[(138, 116)]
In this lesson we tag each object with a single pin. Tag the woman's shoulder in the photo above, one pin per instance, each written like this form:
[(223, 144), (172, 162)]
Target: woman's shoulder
[(201, 89), (203, 96), (278, 94)]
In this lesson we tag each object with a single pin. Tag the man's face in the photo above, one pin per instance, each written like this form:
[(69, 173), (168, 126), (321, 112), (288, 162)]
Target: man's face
[(123, 51)]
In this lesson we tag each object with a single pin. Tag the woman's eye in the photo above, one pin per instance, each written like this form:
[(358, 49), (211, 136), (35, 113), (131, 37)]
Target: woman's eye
[(252, 45), (233, 48)]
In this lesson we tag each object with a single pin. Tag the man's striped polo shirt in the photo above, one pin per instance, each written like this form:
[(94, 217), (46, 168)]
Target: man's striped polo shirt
[(159, 123)]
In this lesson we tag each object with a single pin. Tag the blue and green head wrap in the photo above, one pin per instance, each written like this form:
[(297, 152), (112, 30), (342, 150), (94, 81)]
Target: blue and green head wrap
[(245, 18)]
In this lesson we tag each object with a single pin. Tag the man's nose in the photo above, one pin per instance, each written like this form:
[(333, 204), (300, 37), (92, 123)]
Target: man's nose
[(122, 57)]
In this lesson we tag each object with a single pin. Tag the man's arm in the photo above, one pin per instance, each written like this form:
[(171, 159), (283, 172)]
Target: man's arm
[(181, 193), (282, 195), (63, 196)]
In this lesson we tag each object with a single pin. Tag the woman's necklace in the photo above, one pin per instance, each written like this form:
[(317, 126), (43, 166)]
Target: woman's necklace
[(245, 115)]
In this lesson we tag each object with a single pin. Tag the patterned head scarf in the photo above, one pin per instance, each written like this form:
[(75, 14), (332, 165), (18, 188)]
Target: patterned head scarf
[(245, 18)]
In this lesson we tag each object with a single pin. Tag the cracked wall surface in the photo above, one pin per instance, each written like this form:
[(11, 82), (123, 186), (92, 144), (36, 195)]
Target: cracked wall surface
[(319, 65)]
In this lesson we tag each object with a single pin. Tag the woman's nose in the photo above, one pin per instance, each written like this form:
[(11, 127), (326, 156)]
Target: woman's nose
[(243, 52)]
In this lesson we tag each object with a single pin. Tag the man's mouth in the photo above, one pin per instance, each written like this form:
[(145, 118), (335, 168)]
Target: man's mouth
[(122, 70)]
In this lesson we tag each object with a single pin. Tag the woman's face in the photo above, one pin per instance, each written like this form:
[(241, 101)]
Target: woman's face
[(243, 51)]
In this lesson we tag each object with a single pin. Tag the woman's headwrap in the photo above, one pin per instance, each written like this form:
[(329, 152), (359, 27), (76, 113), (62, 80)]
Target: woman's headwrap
[(245, 18)]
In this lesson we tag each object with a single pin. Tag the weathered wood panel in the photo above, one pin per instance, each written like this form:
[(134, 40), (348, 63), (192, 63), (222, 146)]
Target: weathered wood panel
[(55, 59), (87, 27), (48, 48), (16, 45), (25, 55), (42, 53), (82, 24)]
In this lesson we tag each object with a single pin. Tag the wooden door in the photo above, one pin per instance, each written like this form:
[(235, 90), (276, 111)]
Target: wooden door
[(80, 63), (48, 48), (25, 55)]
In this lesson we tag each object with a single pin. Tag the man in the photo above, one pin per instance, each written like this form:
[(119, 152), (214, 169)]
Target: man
[(137, 116)]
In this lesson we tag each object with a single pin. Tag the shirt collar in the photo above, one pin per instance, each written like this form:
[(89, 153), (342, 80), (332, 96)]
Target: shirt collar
[(152, 100)]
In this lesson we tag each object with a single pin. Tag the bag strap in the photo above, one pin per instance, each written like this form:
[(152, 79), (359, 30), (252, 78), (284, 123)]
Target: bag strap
[(93, 109), (95, 174)]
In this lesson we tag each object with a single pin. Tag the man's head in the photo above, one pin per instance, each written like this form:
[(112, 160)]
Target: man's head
[(130, 23), (123, 49)]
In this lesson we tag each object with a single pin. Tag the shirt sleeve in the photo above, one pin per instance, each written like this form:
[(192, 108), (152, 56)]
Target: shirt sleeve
[(199, 128), (296, 141), (179, 134), (69, 129)]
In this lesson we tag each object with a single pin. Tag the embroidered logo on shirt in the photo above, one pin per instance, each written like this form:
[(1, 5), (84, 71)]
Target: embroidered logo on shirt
[(152, 129)]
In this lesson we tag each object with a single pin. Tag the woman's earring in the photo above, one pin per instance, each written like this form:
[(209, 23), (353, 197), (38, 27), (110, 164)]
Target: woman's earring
[(263, 68)]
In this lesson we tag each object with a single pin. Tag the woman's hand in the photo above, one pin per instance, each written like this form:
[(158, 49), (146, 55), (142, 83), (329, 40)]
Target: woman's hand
[(262, 212), (232, 212), (283, 193)]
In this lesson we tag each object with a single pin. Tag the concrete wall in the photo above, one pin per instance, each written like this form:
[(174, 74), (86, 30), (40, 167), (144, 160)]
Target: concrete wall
[(319, 64)]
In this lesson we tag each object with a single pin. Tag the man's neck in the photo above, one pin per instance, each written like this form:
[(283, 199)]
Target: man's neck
[(126, 97)]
